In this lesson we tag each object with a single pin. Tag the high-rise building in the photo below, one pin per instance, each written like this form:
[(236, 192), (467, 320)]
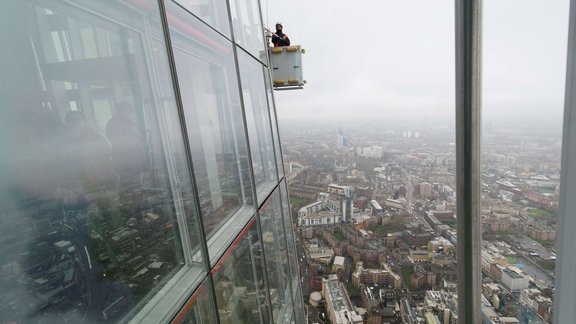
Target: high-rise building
[(141, 176), (339, 138)]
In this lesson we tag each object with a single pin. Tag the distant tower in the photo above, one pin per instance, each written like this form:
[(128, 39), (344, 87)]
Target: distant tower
[(525, 144), (339, 138)]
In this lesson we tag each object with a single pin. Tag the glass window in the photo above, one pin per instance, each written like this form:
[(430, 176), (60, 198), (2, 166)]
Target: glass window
[(96, 216), (212, 12), (239, 281), (292, 252), (258, 122), (275, 132), (247, 24), (277, 268), (200, 309), (216, 132)]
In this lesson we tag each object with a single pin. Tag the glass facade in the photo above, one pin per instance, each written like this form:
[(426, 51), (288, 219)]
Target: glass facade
[(294, 279), (247, 27), (258, 122), (216, 132), (136, 137), (274, 239), (199, 308), (239, 280), (212, 12)]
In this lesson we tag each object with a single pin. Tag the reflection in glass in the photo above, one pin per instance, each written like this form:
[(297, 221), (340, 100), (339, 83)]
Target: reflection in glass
[(258, 122), (200, 309), (247, 24), (239, 281), (211, 102), (274, 240), (292, 253), (274, 122), (92, 170), (212, 12)]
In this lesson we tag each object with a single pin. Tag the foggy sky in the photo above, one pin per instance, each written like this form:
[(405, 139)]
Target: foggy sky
[(395, 58)]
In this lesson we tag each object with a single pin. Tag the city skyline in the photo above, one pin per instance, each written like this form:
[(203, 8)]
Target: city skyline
[(398, 247)]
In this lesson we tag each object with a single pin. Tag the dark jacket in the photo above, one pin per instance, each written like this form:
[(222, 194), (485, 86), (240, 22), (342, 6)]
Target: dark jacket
[(280, 39)]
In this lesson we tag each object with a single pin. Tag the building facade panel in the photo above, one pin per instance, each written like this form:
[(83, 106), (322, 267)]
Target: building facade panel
[(211, 12), (208, 85), (275, 252), (200, 308), (258, 123), (292, 255), (247, 26), (95, 217), (239, 280), (128, 189)]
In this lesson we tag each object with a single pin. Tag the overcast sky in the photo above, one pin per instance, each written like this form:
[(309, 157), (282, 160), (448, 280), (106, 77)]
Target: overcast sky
[(395, 58)]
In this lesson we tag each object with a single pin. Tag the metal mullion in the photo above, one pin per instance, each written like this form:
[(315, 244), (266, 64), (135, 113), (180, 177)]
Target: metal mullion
[(564, 310), (468, 110), (178, 98)]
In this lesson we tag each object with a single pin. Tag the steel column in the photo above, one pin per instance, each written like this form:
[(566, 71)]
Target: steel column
[(565, 295), (468, 124)]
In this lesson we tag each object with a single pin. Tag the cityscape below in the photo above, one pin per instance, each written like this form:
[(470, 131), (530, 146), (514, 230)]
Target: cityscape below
[(375, 221)]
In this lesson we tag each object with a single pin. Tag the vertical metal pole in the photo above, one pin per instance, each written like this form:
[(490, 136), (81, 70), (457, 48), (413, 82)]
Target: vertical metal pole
[(468, 104), (565, 295), (180, 106)]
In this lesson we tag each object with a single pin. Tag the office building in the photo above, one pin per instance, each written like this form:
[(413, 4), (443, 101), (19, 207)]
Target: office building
[(141, 172), (513, 280)]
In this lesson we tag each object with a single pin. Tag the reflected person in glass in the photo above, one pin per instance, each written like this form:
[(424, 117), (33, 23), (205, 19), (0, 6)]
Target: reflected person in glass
[(127, 141)]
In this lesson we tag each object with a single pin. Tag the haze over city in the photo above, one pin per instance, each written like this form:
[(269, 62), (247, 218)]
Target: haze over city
[(369, 147), (385, 59)]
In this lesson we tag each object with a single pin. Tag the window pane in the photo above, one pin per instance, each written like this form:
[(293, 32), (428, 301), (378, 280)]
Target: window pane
[(522, 154), (258, 122), (96, 198), (275, 132), (212, 12), (214, 121), (292, 254), (200, 309), (239, 281), (275, 252), (247, 24)]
